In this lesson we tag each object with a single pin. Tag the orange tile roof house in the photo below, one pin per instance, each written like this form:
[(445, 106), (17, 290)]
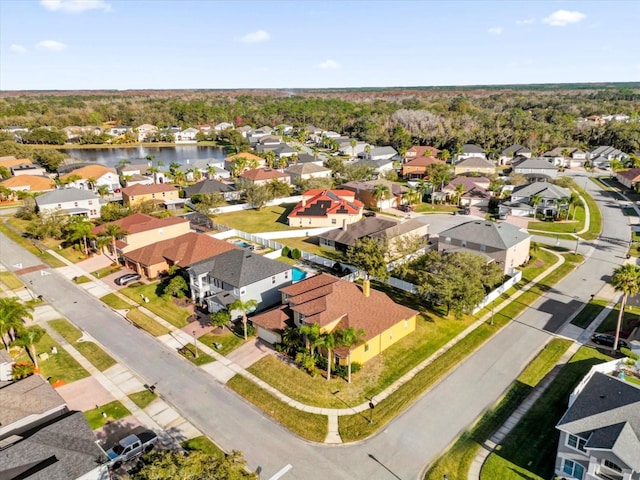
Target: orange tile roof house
[(421, 151), (100, 174), (261, 176), (10, 161), (335, 305), (417, 167), (140, 230), (29, 183), (162, 193), (182, 251), (326, 208)]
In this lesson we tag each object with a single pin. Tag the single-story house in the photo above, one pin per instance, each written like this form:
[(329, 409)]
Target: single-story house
[(262, 176), (380, 167), (29, 183), (70, 201), (475, 190), (238, 274), (474, 165), (504, 243), (28, 169), (536, 169), (566, 156), (335, 305), (364, 192), (629, 178), (162, 193), (9, 161), (307, 158), (326, 208), (227, 191), (307, 171), (599, 432), (91, 177)]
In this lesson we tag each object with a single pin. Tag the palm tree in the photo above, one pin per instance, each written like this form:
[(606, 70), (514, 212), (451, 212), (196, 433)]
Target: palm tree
[(329, 342), (12, 313), (102, 190), (348, 338), (27, 338), (367, 149), (422, 187), (574, 201), (270, 157), (535, 201), (444, 155), (459, 192), (381, 191), (290, 339), (244, 308), (353, 144), (91, 182), (311, 335), (114, 231), (79, 230), (154, 171), (625, 279), (179, 177)]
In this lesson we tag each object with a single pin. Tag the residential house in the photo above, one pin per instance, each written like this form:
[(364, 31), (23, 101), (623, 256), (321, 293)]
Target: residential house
[(6, 366), (223, 126), (380, 167), (204, 128), (307, 158), (326, 208), (470, 151), (502, 242), (161, 193), (551, 199), (28, 169), (145, 131), (512, 152), (29, 183), (41, 439), (379, 153), (186, 136), (474, 165), (629, 178), (536, 169), (599, 432), (238, 274), (70, 201), (602, 156), (91, 177), (335, 305), (566, 156), (245, 130), (10, 161), (285, 129), (182, 251), (364, 191), (252, 161), (205, 187), (272, 140), (262, 176), (139, 230), (475, 190), (281, 150), (205, 167), (418, 151), (353, 151), (118, 130), (417, 167), (307, 171), (391, 231), (258, 133), (140, 174)]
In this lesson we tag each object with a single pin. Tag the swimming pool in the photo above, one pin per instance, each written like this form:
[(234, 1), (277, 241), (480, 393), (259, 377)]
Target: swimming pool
[(243, 244), (298, 274)]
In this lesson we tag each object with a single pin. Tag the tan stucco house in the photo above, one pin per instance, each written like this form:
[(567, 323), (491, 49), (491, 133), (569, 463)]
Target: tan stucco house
[(326, 208)]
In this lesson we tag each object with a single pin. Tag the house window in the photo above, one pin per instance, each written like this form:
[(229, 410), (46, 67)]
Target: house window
[(483, 248), (90, 202), (153, 195), (334, 221), (574, 469), (273, 279), (286, 275), (59, 205), (464, 243), (366, 347), (309, 221), (164, 194), (612, 466), (75, 204), (576, 442)]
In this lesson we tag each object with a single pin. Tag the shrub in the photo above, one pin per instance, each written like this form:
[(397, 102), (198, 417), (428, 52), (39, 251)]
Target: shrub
[(22, 370), (296, 254), (286, 251), (628, 353), (307, 362), (337, 267)]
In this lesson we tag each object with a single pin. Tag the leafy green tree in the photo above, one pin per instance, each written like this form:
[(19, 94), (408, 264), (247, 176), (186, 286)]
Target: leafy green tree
[(27, 338), (369, 255), (381, 192), (177, 287), (78, 229), (256, 195), (12, 315), (113, 211), (115, 231), (355, 172), (102, 190), (49, 159), (625, 279), (206, 202), (45, 136), (220, 318), (312, 337), (244, 308)]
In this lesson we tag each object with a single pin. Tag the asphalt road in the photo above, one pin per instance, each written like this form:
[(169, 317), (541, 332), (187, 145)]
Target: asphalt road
[(399, 451)]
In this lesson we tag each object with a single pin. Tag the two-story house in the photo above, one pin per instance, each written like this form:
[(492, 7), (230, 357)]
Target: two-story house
[(262, 176), (70, 201), (549, 198), (161, 193), (91, 177), (326, 208), (365, 192), (474, 165), (146, 131), (602, 156), (470, 150), (509, 153), (535, 169)]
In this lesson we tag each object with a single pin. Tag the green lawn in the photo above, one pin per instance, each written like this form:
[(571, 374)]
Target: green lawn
[(540, 261), (113, 410), (10, 280), (143, 398), (310, 245), (105, 271), (89, 350), (81, 279), (227, 340), (589, 313), (70, 252), (146, 323), (609, 324), (530, 449), (269, 219), (457, 460), (115, 302), (595, 218), (204, 445), (428, 208), (61, 366), (162, 306), (189, 352), (306, 425)]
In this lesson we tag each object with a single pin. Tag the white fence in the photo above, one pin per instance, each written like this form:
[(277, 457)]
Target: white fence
[(498, 291), (248, 206)]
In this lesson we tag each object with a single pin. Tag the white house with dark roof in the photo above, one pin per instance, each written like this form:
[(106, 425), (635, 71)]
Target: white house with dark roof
[(187, 135), (512, 152), (469, 150), (552, 198), (602, 156), (70, 201), (536, 169), (504, 243), (379, 153), (238, 274), (600, 431)]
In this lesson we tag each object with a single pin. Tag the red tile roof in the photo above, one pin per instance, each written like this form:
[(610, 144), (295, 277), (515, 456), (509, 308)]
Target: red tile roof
[(327, 202), (422, 161), (139, 222), (421, 151), (258, 174), (148, 189)]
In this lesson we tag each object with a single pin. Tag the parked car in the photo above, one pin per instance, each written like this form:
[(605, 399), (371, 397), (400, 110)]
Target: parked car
[(405, 208), (607, 340), (465, 211), (127, 278), (131, 447), (369, 214)]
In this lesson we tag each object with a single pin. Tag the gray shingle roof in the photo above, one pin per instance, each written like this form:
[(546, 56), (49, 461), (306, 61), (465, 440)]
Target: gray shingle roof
[(207, 186), (491, 234), (240, 267), (475, 162), (306, 169), (354, 231), (375, 164), (534, 163), (515, 150), (544, 189), (607, 412), (30, 396), (470, 148), (65, 195), (606, 151)]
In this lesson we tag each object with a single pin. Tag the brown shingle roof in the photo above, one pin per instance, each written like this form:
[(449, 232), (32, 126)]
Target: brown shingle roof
[(258, 174), (422, 161), (275, 320), (139, 222), (247, 155), (184, 250), (148, 189), (631, 174), (422, 151)]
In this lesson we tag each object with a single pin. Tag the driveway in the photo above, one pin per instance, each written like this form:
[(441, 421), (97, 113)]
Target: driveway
[(85, 394), (250, 353)]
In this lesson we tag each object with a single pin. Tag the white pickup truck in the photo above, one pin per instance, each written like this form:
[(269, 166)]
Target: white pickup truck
[(130, 447)]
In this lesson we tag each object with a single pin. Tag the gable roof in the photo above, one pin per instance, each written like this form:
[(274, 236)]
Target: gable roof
[(320, 203), (607, 413), (208, 186), (475, 162), (139, 189), (544, 189), (258, 174), (557, 152), (239, 267), (468, 182), (139, 222), (387, 150), (606, 150), (515, 150), (631, 174), (11, 161), (535, 164), (30, 396), (307, 158), (184, 250), (471, 148), (36, 183), (247, 155), (63, 195), (306, 169), (354, 231), (422, 161), (370, 185), (423, 151), (496, 235), (89, 171)]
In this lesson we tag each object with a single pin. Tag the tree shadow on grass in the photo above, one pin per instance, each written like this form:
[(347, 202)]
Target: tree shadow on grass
[(283, 216)]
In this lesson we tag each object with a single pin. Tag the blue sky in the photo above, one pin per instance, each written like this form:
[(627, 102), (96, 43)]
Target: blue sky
[(164, 44)]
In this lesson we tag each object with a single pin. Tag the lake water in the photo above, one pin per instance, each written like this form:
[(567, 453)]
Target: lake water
[(110, 157)]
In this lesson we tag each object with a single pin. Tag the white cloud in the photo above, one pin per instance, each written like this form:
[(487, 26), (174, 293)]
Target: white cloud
[(18, 48), (51, 46), (561, 18), (495, 30), (526, 21), (328, 65), (75, 6), (256, 37)]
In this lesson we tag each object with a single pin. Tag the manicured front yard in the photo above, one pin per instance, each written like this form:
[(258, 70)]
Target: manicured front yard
[(162, 306), (28, 245), (530, 449), (204, 445), (146, 323), (589, 313), (226, 340), (110, 412), (105, 271), (115, 302), (456, 461), (92, 352), (629, 320), (429, 208), (268, 219), (143, 398), (194, 356)]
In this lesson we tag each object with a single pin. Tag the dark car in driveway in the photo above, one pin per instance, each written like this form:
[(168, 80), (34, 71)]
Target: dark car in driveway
[(607, 340), (128, 278), (405, 208)]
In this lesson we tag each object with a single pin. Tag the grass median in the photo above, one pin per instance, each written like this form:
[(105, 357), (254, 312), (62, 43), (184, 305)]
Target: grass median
[(161, 305), (110, 412), (89, 350)]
